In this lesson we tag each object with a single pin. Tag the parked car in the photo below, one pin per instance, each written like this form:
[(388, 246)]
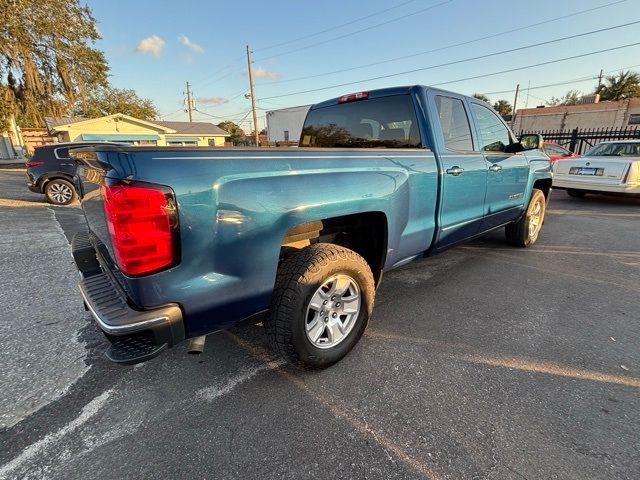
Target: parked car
[(185, 242), (557, 152), (609, 167), (50, 171)]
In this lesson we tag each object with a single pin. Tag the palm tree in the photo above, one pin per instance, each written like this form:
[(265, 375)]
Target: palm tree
[(621, 86), (481, 96), (503, 107)]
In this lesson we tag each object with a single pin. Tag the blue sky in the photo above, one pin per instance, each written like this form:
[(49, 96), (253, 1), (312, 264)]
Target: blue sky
[(154, 47)]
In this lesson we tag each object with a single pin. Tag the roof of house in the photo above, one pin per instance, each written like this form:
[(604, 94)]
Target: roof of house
[(194, 128), (204, 128), (53, 122)]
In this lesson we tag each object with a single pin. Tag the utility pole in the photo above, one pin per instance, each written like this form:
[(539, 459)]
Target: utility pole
[(253, 99), (189, 103), (599, 81), (515, 103)]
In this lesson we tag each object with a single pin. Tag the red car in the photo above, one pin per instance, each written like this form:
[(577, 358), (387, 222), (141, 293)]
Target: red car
[(556, 152)]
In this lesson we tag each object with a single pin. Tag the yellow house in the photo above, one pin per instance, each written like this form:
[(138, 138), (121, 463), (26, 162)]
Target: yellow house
[(123, 128)]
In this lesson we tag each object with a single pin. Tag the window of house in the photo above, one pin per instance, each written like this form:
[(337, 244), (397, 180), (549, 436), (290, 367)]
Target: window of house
[(494, 135), (211, 142), (148, 142), (286, 135), (454, 123)]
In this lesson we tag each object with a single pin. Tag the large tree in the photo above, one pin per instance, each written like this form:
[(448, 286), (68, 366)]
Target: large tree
[(503, 107), (108, 100), (481, 96), (234, 130), (621, 86), (572, 97), (47, 59)]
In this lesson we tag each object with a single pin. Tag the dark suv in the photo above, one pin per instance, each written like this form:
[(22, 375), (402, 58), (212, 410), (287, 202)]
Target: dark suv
[(50, 171)]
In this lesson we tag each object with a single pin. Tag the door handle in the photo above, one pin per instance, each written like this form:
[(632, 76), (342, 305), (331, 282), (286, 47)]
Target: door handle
[(455, 171), (495, 167), (67, 164)]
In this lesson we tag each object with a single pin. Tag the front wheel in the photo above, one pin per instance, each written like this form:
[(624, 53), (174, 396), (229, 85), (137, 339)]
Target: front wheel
[(525, 231), (321, 305)]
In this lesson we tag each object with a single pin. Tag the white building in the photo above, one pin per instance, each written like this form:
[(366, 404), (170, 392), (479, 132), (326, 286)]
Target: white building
[(285, 125)]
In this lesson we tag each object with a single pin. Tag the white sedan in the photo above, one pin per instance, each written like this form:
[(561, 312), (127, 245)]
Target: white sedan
[(609, 167)]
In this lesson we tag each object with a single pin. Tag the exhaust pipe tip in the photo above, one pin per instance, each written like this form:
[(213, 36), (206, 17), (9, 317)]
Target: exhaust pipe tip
[(196, 345)]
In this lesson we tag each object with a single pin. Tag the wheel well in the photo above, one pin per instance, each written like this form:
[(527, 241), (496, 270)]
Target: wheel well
[(364, 233), (45, 180), (544, 185)]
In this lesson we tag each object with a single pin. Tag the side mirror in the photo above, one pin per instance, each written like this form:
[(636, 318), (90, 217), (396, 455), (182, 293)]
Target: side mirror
[(532, 141)]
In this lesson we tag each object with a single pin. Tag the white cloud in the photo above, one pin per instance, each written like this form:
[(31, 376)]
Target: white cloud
[(263, 73), (215, 100), (186, 41), (153, 45)]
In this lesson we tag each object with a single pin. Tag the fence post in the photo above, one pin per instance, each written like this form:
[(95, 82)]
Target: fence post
[(574, 140)]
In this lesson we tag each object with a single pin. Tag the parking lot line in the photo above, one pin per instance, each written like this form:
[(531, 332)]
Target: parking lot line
[(341, 411), (509, 260), (518, 363)]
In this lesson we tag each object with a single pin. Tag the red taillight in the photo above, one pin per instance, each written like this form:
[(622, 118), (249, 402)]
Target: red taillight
[(142, 221), (33, 164), (352, 97)]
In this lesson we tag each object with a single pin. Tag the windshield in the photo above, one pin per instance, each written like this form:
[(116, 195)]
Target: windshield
[(615, 150)]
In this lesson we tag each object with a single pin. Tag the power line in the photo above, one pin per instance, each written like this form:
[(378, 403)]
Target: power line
[(380, 77), (566, 82), (536, 64), (445, 47), (351, 22), (357, 31)]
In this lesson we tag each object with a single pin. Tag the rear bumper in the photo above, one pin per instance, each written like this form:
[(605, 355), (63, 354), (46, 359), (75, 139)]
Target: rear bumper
[(564, 183), (113, 312)]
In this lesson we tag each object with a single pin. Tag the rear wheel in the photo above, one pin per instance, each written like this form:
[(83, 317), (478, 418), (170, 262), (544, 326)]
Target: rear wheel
[(576, 193), (525, 232), (60, 192), (321, 304)]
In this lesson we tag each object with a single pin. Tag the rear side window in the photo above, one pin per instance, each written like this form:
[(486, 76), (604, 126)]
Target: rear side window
[(454, 123), (62, 153), (387, 122), (494, 136)]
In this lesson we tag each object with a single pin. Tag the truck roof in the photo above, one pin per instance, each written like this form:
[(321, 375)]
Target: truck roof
[(385, 92)]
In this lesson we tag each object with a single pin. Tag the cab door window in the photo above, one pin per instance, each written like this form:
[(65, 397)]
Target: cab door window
[(454, 123)]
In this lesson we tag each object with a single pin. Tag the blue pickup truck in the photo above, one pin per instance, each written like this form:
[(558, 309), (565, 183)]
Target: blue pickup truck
[(183, 242)]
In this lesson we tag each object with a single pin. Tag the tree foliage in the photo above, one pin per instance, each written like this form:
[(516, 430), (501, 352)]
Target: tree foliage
[(503, 107), (572, 97), (109, 100), (621, 86), (481, 96), (47, 62), (231, 128)]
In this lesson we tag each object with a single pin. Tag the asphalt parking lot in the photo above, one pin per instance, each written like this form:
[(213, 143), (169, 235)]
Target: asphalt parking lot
[(483, 362)]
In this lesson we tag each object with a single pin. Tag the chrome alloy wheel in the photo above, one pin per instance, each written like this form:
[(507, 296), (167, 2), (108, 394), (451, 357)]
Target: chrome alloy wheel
[(332, 311), (535, 218), (60, 193)]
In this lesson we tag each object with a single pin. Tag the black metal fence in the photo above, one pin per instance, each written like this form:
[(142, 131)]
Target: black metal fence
[(580, 140)]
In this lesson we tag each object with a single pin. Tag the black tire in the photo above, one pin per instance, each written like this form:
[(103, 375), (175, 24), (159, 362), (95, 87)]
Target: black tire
[(60, 192), (576, 193), (519, 234), (299, 278)]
